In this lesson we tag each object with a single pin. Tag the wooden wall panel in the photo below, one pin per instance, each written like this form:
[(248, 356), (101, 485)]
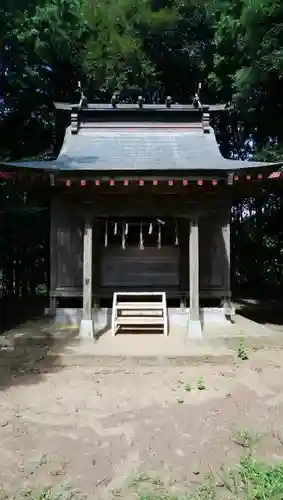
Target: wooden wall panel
[(67, 241), (135, 268), (214, 251)]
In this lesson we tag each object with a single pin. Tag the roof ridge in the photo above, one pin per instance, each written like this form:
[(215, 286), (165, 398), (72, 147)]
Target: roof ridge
[(83, 118), (67, 106), (140, 125)]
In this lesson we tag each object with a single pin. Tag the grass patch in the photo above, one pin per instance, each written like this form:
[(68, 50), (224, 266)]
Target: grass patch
[(243, 353), (45, 494), (148, 487), (180, 401), (201, 384), (143, 478), (245, 439), (250, 480)]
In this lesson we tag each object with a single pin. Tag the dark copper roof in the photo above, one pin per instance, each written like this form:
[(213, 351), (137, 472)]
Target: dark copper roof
[(128, 138)]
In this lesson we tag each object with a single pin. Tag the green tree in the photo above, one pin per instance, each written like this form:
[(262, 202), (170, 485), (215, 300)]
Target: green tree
[(248, 62), (114, 56)]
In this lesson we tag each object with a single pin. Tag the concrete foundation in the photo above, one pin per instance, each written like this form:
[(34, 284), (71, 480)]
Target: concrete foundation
[(194, 329), (219, 342), (86, 329), (178, 319)]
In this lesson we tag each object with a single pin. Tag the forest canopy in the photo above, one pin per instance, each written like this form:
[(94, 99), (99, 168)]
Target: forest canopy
[(149, 47)]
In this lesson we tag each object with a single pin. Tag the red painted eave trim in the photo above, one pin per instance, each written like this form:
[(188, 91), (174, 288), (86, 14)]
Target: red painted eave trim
[(276, 175), (19, 176)]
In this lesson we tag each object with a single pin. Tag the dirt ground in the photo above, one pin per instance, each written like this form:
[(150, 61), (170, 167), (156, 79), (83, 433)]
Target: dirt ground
[(94, 428)]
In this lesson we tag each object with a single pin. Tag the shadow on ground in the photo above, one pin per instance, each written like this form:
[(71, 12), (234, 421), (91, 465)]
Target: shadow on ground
[(261, 311), (17, 310), (27, 361), (23, 352)]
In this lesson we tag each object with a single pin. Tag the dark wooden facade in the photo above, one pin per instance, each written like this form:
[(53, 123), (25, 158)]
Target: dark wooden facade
[(151, 268)]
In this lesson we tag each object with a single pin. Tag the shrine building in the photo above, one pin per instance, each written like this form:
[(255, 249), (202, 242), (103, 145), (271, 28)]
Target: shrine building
[(140, 204)]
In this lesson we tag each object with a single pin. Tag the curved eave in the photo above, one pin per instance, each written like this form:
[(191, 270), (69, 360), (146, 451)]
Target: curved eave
[(232, 166), (152, 148)]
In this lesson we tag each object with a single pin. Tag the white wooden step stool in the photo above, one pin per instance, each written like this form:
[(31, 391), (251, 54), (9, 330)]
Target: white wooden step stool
[(142, 309)]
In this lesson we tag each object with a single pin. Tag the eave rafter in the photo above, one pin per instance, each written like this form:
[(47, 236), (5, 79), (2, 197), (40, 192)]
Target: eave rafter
[(90, 180)]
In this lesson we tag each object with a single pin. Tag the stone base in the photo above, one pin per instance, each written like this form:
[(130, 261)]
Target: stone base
[(51, 310), (86, 329), (194, 329), (211, 319)]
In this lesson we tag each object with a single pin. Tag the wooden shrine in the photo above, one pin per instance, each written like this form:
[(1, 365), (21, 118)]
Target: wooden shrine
[(140, 202)]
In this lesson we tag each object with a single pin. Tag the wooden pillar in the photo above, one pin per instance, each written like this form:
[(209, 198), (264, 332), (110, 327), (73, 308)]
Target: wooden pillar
[(194, 323), (184, 265), (227, 303), (86, 329), (53, 256), (96, 257)]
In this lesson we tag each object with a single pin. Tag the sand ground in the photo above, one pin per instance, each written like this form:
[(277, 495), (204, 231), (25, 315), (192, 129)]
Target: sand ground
[(94, 427)]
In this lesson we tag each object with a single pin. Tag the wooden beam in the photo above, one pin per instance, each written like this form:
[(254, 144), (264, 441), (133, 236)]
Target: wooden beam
[(86, 329), (194, 323), (164, 206)]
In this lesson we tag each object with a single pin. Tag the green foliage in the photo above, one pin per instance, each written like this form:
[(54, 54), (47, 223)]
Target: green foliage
[(251, 480), (111, 45), (180, 400), (257, 259), (248, 61), (263, 481), (44, 494), (201, 384), (114, 58), (245, 438), (243, 354), (158, 46)]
